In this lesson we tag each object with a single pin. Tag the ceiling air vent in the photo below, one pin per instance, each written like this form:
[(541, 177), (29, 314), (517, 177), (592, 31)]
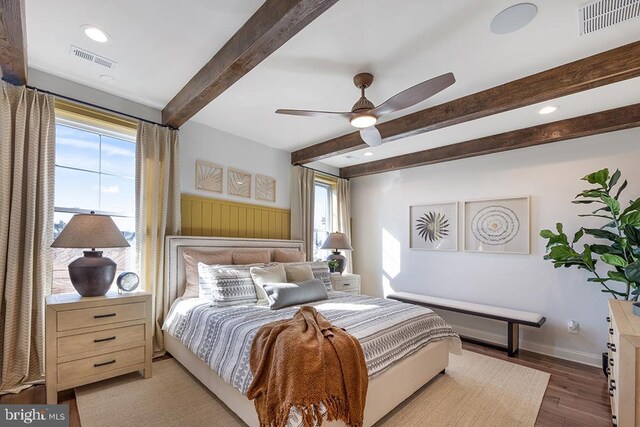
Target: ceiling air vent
[(599, 14), (92, 57)]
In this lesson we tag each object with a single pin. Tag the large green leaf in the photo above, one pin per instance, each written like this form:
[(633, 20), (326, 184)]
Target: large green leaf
[(611, 203), (586, 257), (617, 276), (561, 253), (578, 235), (634, 205), (622, 187), (601, 234), (599, 177), (546, 234), (630, 218), (601, 249), (615, 260), (633, 235), (614, 179), (632, 271)]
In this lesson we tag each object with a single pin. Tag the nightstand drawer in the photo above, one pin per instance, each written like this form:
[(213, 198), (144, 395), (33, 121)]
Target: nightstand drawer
[(98, 364), (94, 316), (346, 285), (91, 341)]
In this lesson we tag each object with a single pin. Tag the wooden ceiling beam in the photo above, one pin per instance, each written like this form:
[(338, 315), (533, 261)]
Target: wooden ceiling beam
[(13, 42), (591, 124), (273, 24), (594, 71)]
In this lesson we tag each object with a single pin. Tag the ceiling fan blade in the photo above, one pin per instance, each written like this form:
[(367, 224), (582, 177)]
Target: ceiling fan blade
[(415, 94), (310, 113), (371, 136)]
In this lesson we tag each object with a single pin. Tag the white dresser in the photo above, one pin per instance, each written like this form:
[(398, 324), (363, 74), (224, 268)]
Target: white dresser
[(346, 283), (624, 364)]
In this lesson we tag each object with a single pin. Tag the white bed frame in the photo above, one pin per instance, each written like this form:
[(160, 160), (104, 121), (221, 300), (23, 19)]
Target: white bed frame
[(385, 392)]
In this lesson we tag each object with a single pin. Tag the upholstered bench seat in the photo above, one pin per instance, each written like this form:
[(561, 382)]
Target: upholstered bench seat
[(514, 318)]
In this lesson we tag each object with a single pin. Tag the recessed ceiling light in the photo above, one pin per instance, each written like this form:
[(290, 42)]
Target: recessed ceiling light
[(95, 33), (368, 153), (547, 110), (513, 18)]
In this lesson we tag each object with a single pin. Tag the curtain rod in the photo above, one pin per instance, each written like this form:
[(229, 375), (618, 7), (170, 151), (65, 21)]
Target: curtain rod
[(323, 172), (68, 98)]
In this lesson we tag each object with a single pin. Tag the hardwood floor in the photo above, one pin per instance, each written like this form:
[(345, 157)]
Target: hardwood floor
[(577, 395)]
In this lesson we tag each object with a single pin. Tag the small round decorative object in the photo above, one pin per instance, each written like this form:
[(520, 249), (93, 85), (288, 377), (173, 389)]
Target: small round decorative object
[(127, 281)]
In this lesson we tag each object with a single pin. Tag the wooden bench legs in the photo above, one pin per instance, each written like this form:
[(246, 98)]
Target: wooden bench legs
[(513, 338)]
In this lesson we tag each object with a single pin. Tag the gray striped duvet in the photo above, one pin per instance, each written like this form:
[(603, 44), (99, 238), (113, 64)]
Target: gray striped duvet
[(387, 330)]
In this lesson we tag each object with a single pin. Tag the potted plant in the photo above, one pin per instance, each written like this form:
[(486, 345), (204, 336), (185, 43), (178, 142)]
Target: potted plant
[(617, 240), (333, 265)]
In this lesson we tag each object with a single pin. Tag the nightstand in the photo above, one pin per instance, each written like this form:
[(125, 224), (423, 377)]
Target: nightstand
[(346, 283), (90, 339)]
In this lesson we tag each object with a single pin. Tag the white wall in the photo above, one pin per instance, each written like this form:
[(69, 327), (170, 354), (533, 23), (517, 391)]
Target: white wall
[(550, 175), (200, 142)]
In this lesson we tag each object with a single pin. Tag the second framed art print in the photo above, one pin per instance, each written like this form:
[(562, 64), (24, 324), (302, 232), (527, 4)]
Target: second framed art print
[(434, 226), (498, 225)]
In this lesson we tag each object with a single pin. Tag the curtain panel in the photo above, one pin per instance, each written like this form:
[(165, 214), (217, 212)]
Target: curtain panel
[(157, 211), (343, 198), (27, 161), (302, 205)]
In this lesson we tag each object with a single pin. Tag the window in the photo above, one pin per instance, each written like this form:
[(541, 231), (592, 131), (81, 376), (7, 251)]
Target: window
[(323, 215), (95, 169)]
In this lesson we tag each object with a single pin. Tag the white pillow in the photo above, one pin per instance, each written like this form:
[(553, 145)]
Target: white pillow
[(262, 275)]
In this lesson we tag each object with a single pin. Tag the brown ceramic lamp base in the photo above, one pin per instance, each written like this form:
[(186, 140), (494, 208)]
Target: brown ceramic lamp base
[(92, 274)]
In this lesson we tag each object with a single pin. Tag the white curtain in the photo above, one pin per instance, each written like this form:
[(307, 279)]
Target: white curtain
[(157, 210), (27, 161), (302, 205), (344, 216)]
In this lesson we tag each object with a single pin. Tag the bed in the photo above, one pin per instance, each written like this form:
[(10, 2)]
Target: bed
[(392, 382)]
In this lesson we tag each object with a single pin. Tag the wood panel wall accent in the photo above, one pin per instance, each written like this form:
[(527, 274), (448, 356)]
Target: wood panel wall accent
[(273, 24), (594, 71), (591, 124), (13, 42), (222, 218)]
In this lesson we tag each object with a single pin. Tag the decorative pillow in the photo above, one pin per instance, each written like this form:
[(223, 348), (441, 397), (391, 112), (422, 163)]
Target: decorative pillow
[(191, 260), (251, 257), (288, 294), (320, 271), (298, 272), (288, 255), (227, 284), (268, 274)]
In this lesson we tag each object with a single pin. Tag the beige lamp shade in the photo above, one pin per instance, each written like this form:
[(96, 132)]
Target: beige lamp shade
[(337, 241), (90, 231)]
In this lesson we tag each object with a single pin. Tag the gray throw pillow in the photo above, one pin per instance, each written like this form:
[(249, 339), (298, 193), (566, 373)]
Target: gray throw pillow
[(287, 294)]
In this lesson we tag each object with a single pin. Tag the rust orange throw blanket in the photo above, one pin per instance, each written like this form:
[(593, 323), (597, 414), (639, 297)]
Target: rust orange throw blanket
[(307, 362)]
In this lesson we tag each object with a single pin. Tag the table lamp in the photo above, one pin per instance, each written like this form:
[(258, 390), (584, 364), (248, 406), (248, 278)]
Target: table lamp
[(92, 274), (336, 241)]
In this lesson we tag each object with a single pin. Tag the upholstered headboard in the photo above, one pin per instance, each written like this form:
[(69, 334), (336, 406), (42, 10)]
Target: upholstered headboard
[(174, 261)]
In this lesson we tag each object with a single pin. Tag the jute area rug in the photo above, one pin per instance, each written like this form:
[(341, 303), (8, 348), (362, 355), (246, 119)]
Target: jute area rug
[(476, 391)]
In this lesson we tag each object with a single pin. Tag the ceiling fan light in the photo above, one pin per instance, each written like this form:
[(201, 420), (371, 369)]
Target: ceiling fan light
[(364, 121)]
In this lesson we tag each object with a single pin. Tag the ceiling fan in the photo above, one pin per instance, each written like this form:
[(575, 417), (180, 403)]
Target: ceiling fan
[(364, 115)]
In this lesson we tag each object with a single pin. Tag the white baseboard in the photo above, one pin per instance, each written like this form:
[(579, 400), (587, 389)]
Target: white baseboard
[(559, 352)]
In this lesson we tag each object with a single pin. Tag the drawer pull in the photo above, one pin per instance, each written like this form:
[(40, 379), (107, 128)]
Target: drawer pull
[(611, 347), (614, 420), (610, 392), (612, 385), (101, 316), (97, 365), (105, 339), (346, 284), (610, 331), (611, 362), (608, 371), (608, 319)]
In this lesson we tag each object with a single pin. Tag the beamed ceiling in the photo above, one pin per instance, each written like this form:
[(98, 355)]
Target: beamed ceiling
[(230, 65)]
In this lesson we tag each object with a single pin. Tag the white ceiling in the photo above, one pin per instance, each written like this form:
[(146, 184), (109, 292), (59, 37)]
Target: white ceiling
[(159, 47)]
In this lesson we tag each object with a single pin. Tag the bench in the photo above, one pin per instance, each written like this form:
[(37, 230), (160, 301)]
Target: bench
[(514, 318)]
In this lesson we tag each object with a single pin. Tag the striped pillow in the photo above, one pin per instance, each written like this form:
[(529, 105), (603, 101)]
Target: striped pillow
[(320, 271), (227, 284)]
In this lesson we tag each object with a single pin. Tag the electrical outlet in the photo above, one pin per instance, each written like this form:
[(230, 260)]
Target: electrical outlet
[(573, 327)]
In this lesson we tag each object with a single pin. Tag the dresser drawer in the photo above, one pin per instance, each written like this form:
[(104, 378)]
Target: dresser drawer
[(70, 371), (91, 341), (346, 284), (87, 317)]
